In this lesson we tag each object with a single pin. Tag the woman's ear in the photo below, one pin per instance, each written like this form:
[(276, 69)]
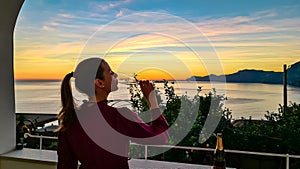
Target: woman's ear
[(99, 83)]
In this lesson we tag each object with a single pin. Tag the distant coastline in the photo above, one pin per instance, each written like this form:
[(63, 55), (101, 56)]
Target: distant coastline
[(245, 76), (256, 76)]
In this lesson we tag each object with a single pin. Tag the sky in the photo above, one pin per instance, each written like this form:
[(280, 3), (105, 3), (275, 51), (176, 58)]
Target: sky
[(157, 39)]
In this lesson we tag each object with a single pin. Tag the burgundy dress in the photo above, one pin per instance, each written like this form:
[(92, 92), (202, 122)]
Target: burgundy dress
[(88, 141)]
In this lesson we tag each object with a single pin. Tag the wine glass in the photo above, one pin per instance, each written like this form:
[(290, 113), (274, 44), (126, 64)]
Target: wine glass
[(126, 79), (120, 98)]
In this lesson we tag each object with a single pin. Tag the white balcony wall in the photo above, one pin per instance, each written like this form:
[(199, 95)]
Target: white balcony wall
[(9, 10)]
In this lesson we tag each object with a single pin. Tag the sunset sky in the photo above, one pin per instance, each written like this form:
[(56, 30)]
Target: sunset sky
[(156, 39)]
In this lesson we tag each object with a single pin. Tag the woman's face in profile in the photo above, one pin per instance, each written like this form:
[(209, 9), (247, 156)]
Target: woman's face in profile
[(110, 77)]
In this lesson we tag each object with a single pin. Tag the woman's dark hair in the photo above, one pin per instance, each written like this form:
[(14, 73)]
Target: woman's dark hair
[(67, 113), (84, 82)]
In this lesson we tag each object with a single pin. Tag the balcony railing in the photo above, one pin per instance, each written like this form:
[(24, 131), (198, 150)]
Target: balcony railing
[(286, 156)]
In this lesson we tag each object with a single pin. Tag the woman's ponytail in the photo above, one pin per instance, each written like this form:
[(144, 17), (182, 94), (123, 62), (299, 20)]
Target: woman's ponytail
[(67, 113)]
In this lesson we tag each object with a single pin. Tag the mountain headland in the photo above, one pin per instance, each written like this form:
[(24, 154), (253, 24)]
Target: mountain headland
[(257, 76)]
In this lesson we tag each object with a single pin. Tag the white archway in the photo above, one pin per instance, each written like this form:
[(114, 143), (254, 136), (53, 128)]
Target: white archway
[(9, 13)]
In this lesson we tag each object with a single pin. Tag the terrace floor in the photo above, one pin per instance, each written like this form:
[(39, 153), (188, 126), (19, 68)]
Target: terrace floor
[(28, 158)]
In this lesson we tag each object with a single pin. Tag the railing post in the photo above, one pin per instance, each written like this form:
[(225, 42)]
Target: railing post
[(41, 142), (287, 161), (146, 152), (284, 88)]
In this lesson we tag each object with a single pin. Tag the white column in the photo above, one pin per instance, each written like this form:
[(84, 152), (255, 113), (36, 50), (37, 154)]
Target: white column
[(9, 10)]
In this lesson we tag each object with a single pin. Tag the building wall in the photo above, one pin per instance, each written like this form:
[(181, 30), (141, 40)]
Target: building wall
[(9, 10)]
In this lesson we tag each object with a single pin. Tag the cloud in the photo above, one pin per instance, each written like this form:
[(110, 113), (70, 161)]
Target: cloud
[(66, 15), (112, 5), (119, 14), (47, 28)]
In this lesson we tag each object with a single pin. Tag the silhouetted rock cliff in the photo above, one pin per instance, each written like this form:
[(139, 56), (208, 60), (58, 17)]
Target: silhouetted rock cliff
[(293, 74)]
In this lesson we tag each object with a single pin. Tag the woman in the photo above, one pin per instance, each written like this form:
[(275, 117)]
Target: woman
[(96, 134)]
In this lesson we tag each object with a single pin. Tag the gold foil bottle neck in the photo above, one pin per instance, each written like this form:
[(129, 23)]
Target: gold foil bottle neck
[(219, 145)]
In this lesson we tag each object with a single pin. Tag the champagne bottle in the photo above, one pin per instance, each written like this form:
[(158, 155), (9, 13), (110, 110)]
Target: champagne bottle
[(219, 154)]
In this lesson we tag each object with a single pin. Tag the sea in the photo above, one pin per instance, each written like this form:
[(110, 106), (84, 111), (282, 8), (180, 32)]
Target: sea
[(243, 99)]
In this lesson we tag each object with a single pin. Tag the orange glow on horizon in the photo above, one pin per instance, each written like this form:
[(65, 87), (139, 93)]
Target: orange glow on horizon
[(155, 75)]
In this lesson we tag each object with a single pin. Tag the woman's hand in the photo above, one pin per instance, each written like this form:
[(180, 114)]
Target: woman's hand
[(149, 93), (146, 87)]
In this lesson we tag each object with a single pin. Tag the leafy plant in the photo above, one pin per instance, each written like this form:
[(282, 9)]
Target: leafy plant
[(183, 111), (278, 133)]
